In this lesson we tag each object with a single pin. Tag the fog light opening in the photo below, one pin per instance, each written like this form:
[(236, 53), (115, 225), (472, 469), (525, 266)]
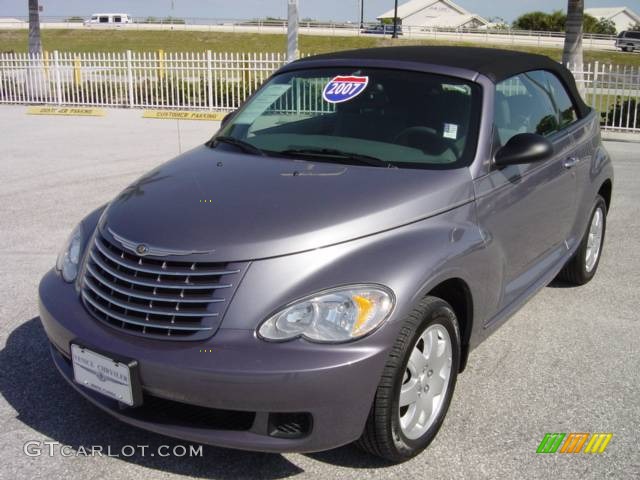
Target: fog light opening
[(290, 425)]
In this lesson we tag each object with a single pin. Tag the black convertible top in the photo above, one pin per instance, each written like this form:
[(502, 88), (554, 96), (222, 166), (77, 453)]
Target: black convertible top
[(494, 63)]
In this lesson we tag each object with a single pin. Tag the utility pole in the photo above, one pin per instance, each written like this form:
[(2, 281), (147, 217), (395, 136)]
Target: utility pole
[(292, 31), (395, 21), (35, 43), (361, 14)]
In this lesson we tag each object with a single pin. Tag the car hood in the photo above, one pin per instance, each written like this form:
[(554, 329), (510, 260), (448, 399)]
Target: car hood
[(242, 207)]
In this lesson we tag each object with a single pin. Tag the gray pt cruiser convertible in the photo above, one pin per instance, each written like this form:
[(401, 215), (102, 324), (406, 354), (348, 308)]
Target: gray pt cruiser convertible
[(318, 272)]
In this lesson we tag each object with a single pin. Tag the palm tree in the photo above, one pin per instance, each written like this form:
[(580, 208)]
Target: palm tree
[(35, 44), (37, 83), (572, 53)]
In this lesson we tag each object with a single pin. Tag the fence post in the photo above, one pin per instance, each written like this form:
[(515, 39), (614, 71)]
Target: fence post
[(130, 77), (58, 81), (594, 84), (209, 80)]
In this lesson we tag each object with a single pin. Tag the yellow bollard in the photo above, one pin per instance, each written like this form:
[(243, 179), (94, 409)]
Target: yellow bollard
[(77, 72), (161, 71)]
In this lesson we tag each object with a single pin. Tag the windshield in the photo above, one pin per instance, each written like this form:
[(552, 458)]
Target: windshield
[(380, 117)]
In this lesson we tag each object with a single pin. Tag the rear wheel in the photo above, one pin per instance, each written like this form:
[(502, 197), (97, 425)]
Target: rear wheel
[(583, 265), (417, 384)]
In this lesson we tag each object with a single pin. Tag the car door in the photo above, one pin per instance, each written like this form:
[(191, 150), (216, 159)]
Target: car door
[(577, 161), (526, 211)]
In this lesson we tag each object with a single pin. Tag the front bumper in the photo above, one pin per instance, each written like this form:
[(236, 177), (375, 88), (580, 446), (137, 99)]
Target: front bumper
[(233, 371)]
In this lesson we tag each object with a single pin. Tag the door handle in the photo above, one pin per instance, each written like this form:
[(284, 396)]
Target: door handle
[(570, 162)]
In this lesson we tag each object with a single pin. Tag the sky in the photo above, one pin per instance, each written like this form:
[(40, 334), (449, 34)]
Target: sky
[(339, 10)]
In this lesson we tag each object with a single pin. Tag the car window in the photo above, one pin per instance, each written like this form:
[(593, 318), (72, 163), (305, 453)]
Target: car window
[(633, 34), (117, 19), (104, 19), (408, 119), (566, 109), (523, 104)]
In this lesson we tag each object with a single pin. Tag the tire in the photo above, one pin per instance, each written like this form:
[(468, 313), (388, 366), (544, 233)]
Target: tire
[(582, 267), (388, 436)]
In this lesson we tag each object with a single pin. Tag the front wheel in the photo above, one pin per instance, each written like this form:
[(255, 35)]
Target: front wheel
[(417, 384), (583, 265)]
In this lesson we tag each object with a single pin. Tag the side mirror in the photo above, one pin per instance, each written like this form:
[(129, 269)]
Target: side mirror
[(524, 148)]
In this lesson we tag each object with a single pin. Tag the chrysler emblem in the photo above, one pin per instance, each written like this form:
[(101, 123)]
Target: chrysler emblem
[(142, 249)]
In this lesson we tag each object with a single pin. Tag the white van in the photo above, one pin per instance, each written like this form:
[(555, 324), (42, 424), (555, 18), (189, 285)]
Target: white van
[(108, 19)]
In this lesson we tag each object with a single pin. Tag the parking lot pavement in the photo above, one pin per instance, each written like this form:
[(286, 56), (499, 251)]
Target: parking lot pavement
[(567, 362)]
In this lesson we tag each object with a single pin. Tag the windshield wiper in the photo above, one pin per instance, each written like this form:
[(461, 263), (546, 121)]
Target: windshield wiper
[(236, 142), (335, 155)]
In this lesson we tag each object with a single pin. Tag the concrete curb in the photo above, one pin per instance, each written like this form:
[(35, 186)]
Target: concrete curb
[(620, 136)]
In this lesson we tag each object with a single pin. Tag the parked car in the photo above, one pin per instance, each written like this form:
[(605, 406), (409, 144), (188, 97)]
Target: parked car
[(382, 29), (319, 271), (108, 19), (628, 41)]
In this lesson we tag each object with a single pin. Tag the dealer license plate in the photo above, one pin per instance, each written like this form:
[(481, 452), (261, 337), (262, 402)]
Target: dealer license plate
[(105, 375)]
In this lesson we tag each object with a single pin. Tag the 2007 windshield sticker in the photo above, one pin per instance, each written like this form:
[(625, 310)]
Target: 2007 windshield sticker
[(344, 88)]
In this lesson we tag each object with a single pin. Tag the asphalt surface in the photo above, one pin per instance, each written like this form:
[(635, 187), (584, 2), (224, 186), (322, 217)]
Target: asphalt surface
[(567, 362)]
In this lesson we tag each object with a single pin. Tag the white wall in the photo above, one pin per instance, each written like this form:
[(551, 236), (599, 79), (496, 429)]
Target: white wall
[(435, 10), (623, 21)]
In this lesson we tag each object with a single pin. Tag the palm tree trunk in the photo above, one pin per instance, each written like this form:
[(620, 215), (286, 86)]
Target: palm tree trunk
[(36, 81), (572, 53), (35, 44)]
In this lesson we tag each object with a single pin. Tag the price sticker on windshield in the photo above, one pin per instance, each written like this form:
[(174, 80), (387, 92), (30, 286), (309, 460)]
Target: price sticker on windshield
[(344, 88)]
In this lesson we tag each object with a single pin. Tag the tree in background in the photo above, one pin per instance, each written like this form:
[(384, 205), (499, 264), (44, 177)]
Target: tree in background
[(540, 21), (600, 26), (35, 43), (636, 27), (572, 52), (556, 22)]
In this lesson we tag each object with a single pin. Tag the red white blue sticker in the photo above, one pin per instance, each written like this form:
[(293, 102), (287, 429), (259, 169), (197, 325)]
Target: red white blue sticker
[(344, 88)]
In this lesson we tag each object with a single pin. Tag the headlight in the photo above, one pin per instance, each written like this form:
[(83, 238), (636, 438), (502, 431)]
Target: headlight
[(69, 256), (337, 315)]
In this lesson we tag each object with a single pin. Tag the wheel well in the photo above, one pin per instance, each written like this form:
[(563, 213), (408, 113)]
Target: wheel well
[(605, 192), (456, 293)]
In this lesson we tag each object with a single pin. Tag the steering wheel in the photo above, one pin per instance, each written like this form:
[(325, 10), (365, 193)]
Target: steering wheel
[(426, 139)]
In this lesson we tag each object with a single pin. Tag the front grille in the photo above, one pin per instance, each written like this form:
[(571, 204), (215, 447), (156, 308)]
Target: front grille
[(154, 297)]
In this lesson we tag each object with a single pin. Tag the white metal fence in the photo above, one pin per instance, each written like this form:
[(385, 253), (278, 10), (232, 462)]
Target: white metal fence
[(614, 91), (221, 81), (203, 80)]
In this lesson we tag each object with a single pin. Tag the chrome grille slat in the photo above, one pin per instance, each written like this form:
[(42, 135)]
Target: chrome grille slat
[(146, 268), (154, 311), (138, 294), (141, 323), (156, 297), (137, 281)]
